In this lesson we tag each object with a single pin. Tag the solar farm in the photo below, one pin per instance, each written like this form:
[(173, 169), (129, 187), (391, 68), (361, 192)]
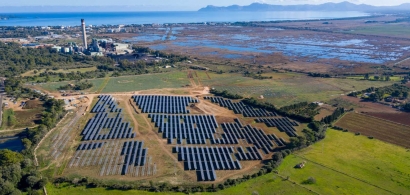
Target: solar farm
[(204, 146), (108, 141)]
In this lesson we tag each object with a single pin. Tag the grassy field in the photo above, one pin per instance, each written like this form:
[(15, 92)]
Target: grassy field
[(31, 72), (347, 164), (396, 30), (287, 88), (53, 86), (144, 82), (380, 129), (21, 118)]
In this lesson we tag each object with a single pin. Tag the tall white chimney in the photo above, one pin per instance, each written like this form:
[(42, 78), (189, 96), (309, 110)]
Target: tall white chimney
[(84, 34)]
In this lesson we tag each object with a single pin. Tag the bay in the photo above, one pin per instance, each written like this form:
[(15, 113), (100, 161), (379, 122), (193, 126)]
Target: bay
[(115, 18)]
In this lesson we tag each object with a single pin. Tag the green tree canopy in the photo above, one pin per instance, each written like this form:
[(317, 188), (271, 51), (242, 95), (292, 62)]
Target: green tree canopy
[(8, 157)]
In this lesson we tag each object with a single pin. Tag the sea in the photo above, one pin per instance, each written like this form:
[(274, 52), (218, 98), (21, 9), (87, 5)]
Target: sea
[(116, 18)]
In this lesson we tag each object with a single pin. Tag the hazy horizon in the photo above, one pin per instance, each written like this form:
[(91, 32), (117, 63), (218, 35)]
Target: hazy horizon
[(185, 5)]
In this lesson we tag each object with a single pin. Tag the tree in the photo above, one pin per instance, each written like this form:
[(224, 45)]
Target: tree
[(7, 188), (294, 142), (11, 173), (8, 157), (396, 93), (27, 143), (32, 181), (277, 156), (405, 95), (366, 76)]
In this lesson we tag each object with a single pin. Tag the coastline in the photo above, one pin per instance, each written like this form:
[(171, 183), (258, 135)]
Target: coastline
[(169, 17)]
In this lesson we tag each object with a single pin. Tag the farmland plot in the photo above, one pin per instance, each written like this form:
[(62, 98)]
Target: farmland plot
[(380, 129)]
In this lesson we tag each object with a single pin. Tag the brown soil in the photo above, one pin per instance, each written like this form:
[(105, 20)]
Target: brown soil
[(31, 104), (402, 118), (378, 128)]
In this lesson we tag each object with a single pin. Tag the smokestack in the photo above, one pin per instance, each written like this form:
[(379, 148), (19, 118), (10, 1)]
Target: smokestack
[(84, 34)]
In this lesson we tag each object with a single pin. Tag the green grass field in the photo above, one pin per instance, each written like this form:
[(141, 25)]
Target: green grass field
[(287, 88), (53, 86), (145, 82), (347, 164), (31, 72)]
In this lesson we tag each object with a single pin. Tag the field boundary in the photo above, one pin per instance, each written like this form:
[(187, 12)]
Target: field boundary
[(362, 180), (384, 119), (103, 84)]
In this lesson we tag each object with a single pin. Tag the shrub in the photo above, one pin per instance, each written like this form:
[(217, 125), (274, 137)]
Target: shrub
[(370, 137), (358, 133), (310, 180)]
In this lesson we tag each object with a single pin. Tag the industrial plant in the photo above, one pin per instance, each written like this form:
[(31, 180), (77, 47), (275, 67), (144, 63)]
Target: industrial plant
[(67, 43)]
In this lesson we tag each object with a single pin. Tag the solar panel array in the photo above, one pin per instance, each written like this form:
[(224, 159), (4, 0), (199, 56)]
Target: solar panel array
[(252, 154), (283, 124), (116, 154), (103, 101), (195, 129), (117, 128), (135, 155), (241, 108), (233, 132), (164, 104), (205, 160)]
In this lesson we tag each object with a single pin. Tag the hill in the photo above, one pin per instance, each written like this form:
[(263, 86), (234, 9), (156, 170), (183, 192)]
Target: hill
[(343, 6)]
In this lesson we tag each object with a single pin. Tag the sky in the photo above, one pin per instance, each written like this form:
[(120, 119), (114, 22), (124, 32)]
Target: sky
[(182, 4)]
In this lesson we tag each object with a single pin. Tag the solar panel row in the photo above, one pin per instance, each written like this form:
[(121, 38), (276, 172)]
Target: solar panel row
[(90, 146), (117, 128), (135, 155), (195, 129), (283, 124), (252, 154), (205, 160), (164, 104), (241, 108), (103, 102)]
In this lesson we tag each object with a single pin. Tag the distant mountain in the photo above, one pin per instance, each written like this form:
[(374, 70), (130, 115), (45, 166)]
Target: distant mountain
[(343, 6)]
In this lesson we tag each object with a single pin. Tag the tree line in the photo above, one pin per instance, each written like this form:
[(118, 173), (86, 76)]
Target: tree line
[(334, 116), (82, 85), (377, 94), (225, 94)]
